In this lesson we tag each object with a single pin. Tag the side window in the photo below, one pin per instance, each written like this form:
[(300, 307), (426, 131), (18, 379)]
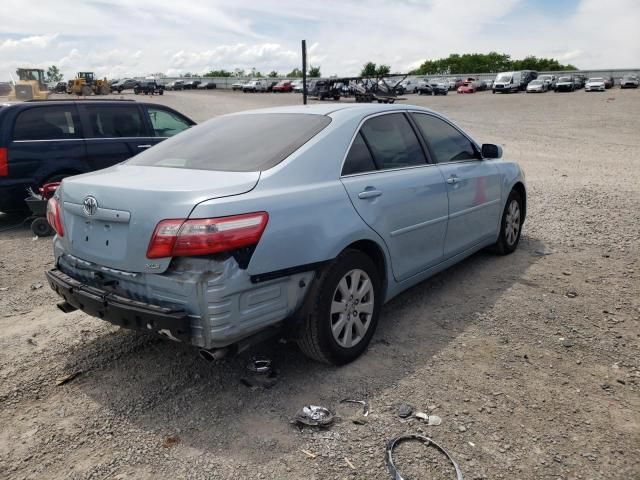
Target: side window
[(447, 143), (359, 159), (47, 123), (392, 141), (115, 121), (165, 123)]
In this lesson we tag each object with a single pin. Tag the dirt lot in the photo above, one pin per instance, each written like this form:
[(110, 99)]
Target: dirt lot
[(532, 361)]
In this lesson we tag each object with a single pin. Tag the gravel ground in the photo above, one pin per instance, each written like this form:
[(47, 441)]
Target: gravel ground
[(532, 361)]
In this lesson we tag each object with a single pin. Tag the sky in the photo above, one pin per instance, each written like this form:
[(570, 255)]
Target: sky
[(118, 38)]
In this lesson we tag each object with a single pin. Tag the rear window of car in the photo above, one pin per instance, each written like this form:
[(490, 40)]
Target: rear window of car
[(236, 143), (47, 123), (116, 121)]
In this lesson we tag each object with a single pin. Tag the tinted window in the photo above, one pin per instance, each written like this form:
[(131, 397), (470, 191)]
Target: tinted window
[(236, 143), (115, 121), (359, 159), (47, 123), (392, 141), (165, 123), (447, 143)]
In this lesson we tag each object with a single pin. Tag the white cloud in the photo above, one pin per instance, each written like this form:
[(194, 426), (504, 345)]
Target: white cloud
[(119, 37), (34, 41)]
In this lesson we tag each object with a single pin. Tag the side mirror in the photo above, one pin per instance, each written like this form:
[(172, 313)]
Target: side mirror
[(489, 150)]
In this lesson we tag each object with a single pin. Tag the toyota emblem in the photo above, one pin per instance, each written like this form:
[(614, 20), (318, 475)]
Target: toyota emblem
[(90, 206)]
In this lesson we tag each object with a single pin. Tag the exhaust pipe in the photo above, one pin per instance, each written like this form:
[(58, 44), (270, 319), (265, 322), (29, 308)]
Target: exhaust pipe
[(214, 354), (66, 307)]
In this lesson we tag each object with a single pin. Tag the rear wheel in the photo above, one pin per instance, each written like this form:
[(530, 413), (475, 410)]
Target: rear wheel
[(510, 226), (341, 311)]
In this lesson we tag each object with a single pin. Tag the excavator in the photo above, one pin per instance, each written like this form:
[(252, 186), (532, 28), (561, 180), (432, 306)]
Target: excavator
[(30, 85), (86, 84)]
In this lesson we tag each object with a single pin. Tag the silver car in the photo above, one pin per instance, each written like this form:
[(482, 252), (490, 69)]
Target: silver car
[(306, 226)]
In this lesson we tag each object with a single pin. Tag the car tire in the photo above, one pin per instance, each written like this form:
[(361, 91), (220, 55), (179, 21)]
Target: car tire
[(41, 228), (510, 225), (327, 336)]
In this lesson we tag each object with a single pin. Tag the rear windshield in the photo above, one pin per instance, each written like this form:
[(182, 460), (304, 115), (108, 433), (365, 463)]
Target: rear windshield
[(236, 143)]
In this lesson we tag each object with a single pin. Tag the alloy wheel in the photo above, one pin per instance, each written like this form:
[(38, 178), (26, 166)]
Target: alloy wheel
[(512, 222), (352, 308)]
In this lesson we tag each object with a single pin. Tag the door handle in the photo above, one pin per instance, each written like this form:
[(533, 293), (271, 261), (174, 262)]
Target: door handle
[(452, 179), (144, 146), (372, 193)]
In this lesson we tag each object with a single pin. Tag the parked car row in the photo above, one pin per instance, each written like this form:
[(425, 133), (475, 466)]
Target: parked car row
[(505, 82)]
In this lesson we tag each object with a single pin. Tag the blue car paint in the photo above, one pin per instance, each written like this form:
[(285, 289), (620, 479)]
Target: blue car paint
[(311, 220)]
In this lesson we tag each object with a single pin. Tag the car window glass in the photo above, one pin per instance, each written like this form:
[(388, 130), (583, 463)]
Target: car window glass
[(236, 143), (47, 123), (359, 159), (115, 121), (392, 141), (166, 124), (447, 143)]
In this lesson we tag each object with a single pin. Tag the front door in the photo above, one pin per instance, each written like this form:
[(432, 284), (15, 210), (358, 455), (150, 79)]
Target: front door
[(397, 193), (473, 185)]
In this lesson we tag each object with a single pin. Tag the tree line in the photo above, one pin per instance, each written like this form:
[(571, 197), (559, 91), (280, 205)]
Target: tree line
[(491, 62)]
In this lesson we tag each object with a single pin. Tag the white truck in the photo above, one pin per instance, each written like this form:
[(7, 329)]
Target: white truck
[(255, 86)]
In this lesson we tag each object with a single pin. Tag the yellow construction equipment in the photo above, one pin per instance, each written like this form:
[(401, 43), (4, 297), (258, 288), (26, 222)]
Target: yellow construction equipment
[(30, 85), (86, 84)]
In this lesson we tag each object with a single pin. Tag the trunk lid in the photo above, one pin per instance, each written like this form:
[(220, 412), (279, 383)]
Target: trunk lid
[(109, 216)]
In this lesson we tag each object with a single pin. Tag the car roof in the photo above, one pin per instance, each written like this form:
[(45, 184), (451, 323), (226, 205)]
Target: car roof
[(328, 109), (113, 101)]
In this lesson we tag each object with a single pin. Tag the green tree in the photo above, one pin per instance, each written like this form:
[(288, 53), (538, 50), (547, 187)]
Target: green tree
[(217, 73), (368, 70), (239, 72), (295, 73), (53, 74), (383, 70), (273, 74), (491, 62), (314, 71)]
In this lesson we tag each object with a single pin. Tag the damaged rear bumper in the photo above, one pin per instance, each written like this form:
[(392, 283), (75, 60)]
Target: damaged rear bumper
[(170, 322)]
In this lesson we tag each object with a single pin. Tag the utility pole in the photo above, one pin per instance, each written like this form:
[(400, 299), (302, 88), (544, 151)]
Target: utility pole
[(304, 72)]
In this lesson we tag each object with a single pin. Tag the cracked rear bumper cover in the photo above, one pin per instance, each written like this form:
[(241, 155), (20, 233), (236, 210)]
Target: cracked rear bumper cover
[(169, 322)]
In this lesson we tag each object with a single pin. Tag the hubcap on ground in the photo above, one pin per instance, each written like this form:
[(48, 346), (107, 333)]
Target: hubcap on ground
[(512, 223), (352, 308)]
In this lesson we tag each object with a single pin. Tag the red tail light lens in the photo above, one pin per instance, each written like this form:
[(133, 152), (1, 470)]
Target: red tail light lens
[(184, 238), (4, 163), (54, 216)]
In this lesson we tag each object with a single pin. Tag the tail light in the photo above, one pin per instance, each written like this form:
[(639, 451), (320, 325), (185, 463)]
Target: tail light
[(4, 163), (54, 216), (185, 238)]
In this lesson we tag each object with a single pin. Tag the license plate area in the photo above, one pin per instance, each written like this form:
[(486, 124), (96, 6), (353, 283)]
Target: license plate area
[(100, 238)]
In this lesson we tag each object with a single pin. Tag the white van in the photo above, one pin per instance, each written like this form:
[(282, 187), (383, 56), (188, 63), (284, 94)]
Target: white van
[(507, 82)]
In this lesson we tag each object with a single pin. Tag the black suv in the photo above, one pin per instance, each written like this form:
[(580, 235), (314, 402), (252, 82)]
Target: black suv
[(148, 87), (45, 141)]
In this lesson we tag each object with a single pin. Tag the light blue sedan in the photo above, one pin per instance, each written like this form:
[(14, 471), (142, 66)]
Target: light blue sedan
[(298, 219)]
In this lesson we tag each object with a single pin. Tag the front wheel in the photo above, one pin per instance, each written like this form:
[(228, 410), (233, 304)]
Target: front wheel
[(510, 226), (341, 310)]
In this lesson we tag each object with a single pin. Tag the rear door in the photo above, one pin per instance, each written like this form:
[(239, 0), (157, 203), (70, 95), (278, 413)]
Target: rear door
[(473, 184), (46, 141), (397, 192), (115, 133)]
